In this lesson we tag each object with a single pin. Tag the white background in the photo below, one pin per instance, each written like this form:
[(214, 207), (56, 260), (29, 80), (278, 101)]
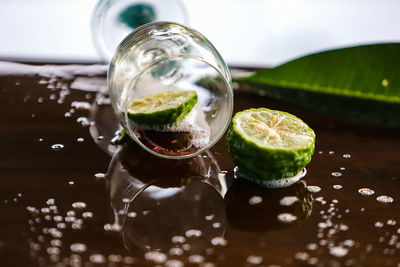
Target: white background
[(246, 32)]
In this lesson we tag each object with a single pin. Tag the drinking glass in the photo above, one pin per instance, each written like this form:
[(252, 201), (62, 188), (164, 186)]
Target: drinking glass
[(163, 57)]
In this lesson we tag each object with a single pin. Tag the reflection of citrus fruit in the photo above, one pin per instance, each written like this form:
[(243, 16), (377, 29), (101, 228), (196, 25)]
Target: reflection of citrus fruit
[(268, 144), (163, 108)]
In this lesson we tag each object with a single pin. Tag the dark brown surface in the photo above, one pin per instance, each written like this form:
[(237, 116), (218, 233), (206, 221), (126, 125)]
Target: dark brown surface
[(179, 195)]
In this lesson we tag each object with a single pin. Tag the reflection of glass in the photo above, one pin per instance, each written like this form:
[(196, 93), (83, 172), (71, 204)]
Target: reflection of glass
[(251, 207), (155, 199), (156, 60), (112, 20)]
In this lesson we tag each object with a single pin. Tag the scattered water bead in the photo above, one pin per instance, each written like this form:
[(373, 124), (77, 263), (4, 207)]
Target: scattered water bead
[(349, 243), (97, 258), (196, 259), (346, 156), (331, 152), (71, 182), (83, 121), (79, 205), (155, 256), (80, 140), (312, 246), (45, 210), (173, 263), (178, 239), (99, 175), (209, 217), (313, 188), (254, 200), (336, 174), (219, 241), (288, 201), (378, 224), (56, 243), (216, 225), (253, 259), (391, 222), (78, 247), (53, 251), (366, 191), (58, 218), (50, 201), (115, 227), (80, 105), (132, 214), (114, 258), (87, 214), (175, 252), (337, 186), (342, 168), (286, 217), (301, 256), (57, 147), (384, 199), (338, 251), (193, 233)]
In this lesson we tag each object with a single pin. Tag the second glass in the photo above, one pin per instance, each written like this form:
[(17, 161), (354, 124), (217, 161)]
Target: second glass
[(171, 90)]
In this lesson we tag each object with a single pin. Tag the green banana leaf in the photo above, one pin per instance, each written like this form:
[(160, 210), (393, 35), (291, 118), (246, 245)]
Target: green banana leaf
[(359, 83)]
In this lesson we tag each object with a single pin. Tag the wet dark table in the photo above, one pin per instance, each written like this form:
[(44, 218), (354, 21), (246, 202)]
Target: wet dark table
[(69, 198)]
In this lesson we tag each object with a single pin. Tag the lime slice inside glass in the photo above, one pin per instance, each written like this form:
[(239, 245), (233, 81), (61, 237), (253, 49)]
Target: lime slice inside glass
[(162, 109), (269, 145)]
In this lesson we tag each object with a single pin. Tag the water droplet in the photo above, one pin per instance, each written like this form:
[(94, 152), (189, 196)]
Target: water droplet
[(254, 200), (71, 182), (196, 259), (349, 243), (338, 251), (219, 241), (346, 156), (337, 186), (286, 217), (45, 210), (175, 252), (58, 218), (342, 168), (391, 222), (80, 140), (209, 217), (336, 174), (366, 191), (78, 247), (155, 256), (57, 147), (79, 205), (331, 152), (313, 188), (173, 263), (312, 246), (301, 256), (114, 258), (112, 227), (288, 201), (384, 199), (193, 233), (126, 200), (216, 225), (56, 243), (80, 105), (50, 201), (178, 239), (87, 214), (53, 251), (253, 259), (100, 175), (97, 258), (132, 214), (83, 121)]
